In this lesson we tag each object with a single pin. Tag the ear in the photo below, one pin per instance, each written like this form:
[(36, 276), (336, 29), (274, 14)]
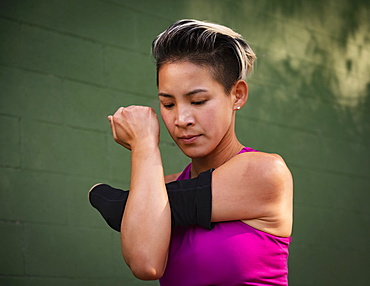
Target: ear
[(240, 93)]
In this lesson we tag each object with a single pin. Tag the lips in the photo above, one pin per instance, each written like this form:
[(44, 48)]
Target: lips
[(188, 139)]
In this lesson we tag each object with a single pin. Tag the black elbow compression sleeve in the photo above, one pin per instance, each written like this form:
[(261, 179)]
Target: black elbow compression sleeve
[(190, 201)]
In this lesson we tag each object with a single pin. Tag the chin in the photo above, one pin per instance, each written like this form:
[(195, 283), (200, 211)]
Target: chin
[(194, 152)]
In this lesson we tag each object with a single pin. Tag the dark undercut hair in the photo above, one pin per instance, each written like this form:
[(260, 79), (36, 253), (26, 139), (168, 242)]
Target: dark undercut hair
[(224, 51)]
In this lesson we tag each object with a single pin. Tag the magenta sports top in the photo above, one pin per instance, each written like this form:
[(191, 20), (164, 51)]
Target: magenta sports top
[(232, 253)]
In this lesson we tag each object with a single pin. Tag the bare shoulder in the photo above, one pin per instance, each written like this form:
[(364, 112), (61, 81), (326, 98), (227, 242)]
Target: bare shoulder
[(171, 178), (262, 189), (267, 173), (268, 164), (259, 156)]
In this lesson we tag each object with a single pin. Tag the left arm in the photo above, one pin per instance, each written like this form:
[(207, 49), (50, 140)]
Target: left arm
[(256, 188)]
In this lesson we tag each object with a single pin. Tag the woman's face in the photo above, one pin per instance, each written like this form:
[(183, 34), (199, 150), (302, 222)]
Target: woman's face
[(197, 112)]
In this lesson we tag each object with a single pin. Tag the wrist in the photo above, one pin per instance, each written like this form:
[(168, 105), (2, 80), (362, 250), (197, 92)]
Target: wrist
[(145, 145)]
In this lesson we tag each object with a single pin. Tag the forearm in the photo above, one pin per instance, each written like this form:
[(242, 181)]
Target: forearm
[(147, 220)]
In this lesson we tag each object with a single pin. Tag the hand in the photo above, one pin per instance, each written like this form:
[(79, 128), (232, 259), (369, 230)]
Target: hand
[(135, 125)]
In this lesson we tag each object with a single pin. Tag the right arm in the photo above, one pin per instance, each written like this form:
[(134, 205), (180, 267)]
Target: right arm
[(146, 223)]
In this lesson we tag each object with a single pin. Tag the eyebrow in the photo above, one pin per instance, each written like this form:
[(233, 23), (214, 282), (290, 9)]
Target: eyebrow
[(195, 91)]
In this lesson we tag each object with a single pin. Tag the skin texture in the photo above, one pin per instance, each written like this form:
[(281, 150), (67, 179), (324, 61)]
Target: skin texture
[(253, 187)]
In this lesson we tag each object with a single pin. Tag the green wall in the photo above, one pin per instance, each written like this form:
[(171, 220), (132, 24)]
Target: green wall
[(65, 65)]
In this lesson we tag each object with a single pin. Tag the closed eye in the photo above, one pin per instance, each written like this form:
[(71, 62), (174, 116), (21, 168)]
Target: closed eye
[(199, 102), (168, 105)]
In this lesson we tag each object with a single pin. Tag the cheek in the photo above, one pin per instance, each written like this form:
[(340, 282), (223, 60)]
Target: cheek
[(208, 118), (218, 117), (167, 120)]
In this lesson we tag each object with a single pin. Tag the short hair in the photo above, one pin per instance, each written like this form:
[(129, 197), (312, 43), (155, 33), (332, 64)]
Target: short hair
[(207, 44)]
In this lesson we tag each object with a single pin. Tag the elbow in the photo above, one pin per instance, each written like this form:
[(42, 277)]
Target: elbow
[(144, 263), (145, 271)]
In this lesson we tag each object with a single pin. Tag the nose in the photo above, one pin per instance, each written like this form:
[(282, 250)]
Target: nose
[(184, 117)]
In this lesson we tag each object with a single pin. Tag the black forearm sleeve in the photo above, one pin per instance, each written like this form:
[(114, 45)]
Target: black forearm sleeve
[(190, 201)]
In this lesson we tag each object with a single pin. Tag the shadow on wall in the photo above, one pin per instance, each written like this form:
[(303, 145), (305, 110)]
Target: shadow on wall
[(318, 48), (335, 40)]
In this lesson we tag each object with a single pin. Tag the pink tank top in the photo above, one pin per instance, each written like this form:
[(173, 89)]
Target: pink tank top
[(232, 253)]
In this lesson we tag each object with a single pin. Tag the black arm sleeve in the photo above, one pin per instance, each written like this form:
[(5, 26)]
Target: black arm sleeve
[(190, 202)]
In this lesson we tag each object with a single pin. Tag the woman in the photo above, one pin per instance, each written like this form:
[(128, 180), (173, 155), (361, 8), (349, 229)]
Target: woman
[(201, 72)]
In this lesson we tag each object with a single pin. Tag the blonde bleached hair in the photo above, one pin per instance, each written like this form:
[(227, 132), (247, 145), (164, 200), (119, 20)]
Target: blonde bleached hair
[(208, 44)]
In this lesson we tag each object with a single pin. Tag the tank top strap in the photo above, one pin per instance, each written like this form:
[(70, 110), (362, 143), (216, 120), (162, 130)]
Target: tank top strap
[(247, 149), (185, 174)]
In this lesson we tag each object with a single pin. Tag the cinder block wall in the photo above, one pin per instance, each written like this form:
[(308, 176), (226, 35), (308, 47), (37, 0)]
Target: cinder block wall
[(66, 65)]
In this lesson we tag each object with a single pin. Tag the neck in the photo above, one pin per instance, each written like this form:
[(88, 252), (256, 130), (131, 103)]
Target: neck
[(219, 156)]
